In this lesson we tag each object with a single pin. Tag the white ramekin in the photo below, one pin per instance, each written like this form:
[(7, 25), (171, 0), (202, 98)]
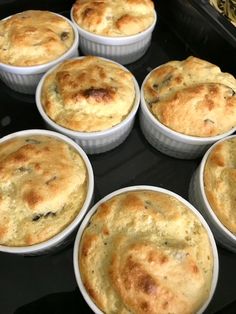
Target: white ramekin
[(124, 50), (170, 142), (25, 79), (86, 220), (62, 238), (94, 142), (198, 198)]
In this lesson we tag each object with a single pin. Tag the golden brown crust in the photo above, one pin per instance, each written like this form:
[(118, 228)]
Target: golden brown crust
[(43, 184), (145, 252), (220, 182), (34, 37), (114, 18), (192, 97), (88, 94)]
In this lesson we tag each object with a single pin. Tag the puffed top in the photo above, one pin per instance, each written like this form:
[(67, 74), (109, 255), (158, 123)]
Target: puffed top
[(43, 185), (113, 18), (146, 252), (192, 97), (34, 37), (88, 94), (220, 182)]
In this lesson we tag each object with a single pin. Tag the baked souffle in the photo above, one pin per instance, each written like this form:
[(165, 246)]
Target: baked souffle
[(88, 94), (34, 37), (146, 252), (220, 182), (193, 97), (114, 18), (43, 185)]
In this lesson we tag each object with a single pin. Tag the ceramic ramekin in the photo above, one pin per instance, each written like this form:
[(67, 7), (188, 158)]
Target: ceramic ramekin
[(124, 50), (198, 198), (62, 238), (94, 142), (92, 211), (170, 142), (25, 79)]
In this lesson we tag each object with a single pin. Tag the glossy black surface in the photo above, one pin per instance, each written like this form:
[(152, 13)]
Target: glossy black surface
[(46, 284), (204, 29)]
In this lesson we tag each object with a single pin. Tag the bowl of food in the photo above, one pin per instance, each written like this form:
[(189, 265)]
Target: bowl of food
[(46, 188), (91, 99), (118, 30), (212, 190), (31, 42), (144, 249), (186, 106)]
